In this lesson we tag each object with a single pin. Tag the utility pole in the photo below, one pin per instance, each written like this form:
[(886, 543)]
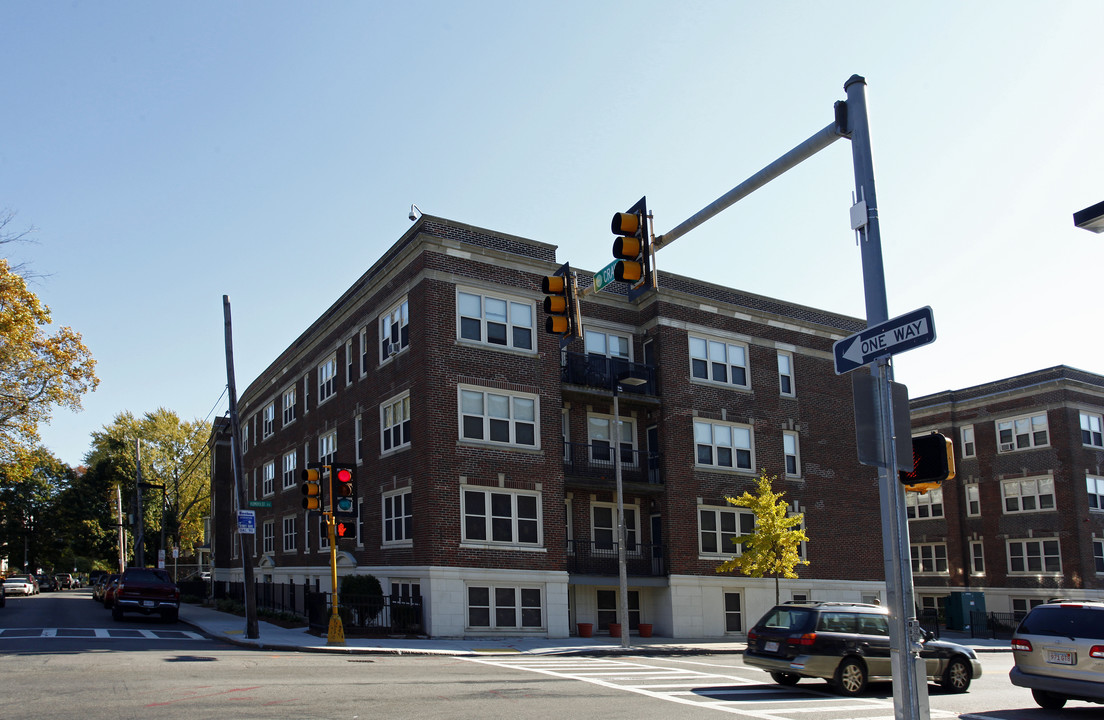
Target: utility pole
[(122, 532), (251, 630), (139, 520)]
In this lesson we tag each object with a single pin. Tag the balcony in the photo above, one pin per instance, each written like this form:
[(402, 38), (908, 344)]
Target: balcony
[(599, 371), (595, 461), (600, 558)]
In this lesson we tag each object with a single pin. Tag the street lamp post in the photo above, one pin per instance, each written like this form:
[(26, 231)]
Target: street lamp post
[(624, 378)]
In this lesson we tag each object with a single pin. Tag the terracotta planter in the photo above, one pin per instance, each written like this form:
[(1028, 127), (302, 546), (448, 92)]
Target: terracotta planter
[(586, 630), (645, 629), (615, 629)]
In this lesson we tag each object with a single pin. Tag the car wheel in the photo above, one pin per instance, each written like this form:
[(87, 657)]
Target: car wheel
[(850, 677), (117, 613), (956, 679), (1048, 700), (783, 678)]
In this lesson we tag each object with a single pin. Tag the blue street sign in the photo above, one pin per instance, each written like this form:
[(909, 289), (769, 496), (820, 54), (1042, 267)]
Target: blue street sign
[(888, 338), (247, 522)]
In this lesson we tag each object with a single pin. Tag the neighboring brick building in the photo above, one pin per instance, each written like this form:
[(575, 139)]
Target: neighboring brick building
[(484, 455), (1023, 520)]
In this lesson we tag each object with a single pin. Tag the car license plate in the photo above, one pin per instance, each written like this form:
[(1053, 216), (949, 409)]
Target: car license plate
[(147, 603), (1059, 657), (770, 646)]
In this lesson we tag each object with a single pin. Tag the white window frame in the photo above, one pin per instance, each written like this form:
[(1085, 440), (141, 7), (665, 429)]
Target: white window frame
[(268, 537), (1092, 429), (515, 324), (973, 499), (1094, 486), (327, 447), (363, 351), (743, 523), (268, 478), (791, 451), (1098, 555), (397, 514), (289, 406), (928, 557), (977, 557), (290, 539), (786, 374), (626, 444), (926, 506), (390, 427), (966, 437), (1026, 492), (598, 342), (358, 438), (712, 354), (268, 420), (515, 405), (717, 430), (497, 606), (733, 616), (1041, 546), (349, 360), (470, 518), (327, 377), (1011, 436), (632, 527), (395, 320)]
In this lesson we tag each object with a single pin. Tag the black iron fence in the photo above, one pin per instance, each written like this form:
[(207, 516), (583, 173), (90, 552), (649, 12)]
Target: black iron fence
[(277, 597), (595, 460), (600, 558), (929, 622), (367, 614), (994, 624), (599, 371)]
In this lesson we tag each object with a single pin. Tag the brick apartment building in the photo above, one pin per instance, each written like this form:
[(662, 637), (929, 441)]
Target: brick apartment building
[(484, 455), (1023, 521)]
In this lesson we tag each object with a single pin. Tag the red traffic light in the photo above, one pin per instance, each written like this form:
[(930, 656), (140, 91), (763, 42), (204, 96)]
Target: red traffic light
[(344, 475), (343, 529)]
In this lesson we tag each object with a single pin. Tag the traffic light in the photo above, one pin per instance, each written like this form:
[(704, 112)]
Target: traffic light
[(631, 248), (312, 488), (343, 486), (932, 463), (562, 303), (344, 530)]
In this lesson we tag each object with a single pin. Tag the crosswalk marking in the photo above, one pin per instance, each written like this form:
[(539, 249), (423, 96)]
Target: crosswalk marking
[(98, 634)]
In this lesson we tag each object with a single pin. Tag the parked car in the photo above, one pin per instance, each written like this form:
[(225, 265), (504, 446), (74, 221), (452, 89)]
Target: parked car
[(100, 586), (3, 596), (109, 591), (94, 576), (846, 644), (20, 585), (148, 591), (47, 583), (66, 581), (1059, 653)]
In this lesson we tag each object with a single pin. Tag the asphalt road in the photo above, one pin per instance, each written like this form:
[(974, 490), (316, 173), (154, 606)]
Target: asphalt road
[(62, 656)]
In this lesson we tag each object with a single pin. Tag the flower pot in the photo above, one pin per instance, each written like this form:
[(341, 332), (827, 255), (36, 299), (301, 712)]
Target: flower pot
[(586, 630), (645, 629), (615, 629)]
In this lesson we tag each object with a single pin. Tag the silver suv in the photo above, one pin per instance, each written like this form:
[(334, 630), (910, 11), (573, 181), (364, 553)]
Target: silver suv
[(1059, 653)]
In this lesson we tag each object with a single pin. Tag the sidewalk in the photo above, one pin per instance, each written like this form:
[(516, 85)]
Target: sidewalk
[(231, 628)]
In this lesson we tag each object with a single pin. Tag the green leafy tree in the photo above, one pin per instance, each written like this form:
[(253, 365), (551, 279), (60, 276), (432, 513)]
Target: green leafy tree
[(29, 494), (773, 550)]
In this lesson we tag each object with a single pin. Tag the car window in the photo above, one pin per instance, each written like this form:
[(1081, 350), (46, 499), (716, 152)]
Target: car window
[(1069, 621), (147, 575), (873, 625), (791, 619), (842, 622)]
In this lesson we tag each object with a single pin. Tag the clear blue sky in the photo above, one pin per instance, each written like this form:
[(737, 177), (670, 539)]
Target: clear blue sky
[(171, 153)]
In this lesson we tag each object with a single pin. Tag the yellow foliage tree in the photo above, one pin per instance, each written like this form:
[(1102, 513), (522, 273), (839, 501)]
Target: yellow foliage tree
[(773, 550), (37, 371)]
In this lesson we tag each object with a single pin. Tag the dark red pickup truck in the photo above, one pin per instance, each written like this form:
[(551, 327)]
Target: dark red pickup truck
[(148, 591)]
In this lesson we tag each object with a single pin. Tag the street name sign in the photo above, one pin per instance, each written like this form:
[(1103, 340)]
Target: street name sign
[(604, 276), (888, 338), (260, 503)]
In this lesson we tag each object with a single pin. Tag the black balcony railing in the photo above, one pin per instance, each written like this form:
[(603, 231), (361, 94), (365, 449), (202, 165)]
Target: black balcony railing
[(600, 558), (595, 460), (599, 371)]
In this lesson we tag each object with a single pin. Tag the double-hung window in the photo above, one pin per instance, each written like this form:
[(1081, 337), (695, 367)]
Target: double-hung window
[(1098, 556), (973, 500), (601, 430), (604, 527), (327, 372), (268, 419), (289, 405), (268, 478), (1022, 433), (268, 535), (928, 505), (505, 607), (1028, 495), (928, 558), (398, 518), (1034, 556), (1092, 430), (977, 557), (289, 470), (500, 417), (966, 435), (719, 362), (1095, 488), (395, 423), (785, 373), (290, 534), (495, 320), (718, 528), (791, 451), (723, 445), (607, 344), (394, 330), (501, 516), (327, 447)]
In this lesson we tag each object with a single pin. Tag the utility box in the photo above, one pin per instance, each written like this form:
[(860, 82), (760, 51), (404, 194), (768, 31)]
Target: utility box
[(960, 605)]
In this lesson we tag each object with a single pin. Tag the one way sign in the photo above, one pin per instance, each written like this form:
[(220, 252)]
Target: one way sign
[(889, 338)]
